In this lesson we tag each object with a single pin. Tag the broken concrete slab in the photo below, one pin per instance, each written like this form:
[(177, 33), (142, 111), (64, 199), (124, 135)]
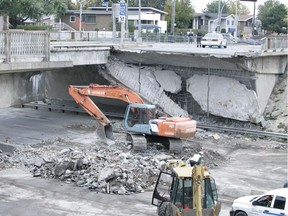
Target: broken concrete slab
[(145, 83), (240, 104)]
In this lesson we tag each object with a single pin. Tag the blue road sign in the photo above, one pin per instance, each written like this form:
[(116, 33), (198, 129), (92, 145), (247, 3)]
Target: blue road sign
[(122, 8)]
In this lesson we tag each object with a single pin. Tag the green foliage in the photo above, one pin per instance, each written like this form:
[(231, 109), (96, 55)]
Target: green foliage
[(156, 31), (228, 7), (21, 10), (183, 13), (272, 15), (131, 27), (159, 4), (241, 8), (223, 30), (35, 27), (212, 7)]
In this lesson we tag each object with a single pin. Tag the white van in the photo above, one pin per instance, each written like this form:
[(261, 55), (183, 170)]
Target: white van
[(272, 203)]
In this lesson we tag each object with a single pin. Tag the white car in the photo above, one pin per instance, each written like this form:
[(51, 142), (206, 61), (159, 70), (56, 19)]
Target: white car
[(213, 39), (272, 203)]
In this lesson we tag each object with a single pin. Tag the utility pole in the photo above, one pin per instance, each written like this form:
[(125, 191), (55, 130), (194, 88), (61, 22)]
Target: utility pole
[(139, 23), (126, 20), (81, 2), (236, 30), (219, 16), (113, 20), (254, 19), (173, 17)]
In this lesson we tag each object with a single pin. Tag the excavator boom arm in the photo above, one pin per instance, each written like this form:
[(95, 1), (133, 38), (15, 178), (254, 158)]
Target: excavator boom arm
[(81, 96)]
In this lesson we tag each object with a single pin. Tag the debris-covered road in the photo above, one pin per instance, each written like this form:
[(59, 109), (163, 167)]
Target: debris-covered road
[(61, 152)]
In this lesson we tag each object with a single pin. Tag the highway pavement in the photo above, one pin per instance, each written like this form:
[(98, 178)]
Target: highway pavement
[(252, 167)]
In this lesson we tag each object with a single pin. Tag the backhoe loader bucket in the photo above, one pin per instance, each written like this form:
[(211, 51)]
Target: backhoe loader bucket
[(105, 134)]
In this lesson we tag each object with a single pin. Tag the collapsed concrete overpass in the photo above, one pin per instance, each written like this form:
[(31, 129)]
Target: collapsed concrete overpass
[(197, 76)]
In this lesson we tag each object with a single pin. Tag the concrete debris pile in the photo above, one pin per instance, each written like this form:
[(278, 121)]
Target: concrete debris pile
[(5, 160), (116, 169), (99, 170)]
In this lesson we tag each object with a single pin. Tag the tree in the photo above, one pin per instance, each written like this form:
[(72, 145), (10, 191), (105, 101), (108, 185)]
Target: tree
[(272, 15), (229, 7), (212, 7), (159, 4), (71, 5), (241, 8), (183, 13), (21, 10)]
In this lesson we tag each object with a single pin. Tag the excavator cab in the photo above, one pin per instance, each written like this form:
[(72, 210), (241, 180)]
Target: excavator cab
[(175, 193), (137, 117)]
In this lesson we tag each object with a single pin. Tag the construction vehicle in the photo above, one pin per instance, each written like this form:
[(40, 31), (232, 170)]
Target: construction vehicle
[(186, 191), (139, 119)]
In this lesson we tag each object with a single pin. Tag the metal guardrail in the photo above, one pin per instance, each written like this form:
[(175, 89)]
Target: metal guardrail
[(15, 44), (244, 131)]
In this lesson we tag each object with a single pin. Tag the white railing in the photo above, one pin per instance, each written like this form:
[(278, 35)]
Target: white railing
[(14, 44), (81, 36), (62, 26), (274, 43)]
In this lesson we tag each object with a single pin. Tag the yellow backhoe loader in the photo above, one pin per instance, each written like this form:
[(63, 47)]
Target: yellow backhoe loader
[(186, 191)]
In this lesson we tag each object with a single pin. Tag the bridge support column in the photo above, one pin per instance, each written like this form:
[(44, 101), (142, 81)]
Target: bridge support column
[(264, 85)]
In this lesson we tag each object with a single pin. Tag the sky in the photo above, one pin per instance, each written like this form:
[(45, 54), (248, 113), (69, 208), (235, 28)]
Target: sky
[(199, 5)]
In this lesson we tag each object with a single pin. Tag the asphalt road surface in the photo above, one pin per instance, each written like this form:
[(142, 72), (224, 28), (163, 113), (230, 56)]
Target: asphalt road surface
[(253, 168)]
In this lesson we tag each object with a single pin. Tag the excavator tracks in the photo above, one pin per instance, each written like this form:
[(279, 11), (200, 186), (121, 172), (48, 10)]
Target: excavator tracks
[(175, 145), (139, 142)]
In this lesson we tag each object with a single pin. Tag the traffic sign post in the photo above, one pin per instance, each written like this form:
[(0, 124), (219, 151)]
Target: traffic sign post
[(122, 11), (122, 15)]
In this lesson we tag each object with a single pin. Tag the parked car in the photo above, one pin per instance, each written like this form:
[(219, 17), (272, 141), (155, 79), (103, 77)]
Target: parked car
[(274, 202), (213, 39)]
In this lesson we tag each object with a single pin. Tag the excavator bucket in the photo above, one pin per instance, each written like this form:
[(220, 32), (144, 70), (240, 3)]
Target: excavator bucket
[(109, 132), (105, 133)]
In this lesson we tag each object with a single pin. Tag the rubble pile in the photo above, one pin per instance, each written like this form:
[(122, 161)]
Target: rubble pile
[(115, 168), (5, 160), (106, 171)]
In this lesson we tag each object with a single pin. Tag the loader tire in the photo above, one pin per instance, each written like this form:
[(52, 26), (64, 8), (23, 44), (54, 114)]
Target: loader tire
[(163, 209)]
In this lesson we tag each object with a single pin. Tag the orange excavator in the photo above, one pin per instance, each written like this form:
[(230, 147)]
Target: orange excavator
[(140, 119)]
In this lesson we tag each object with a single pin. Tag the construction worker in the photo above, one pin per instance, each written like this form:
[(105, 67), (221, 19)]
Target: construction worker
[(196, 159), (174, 163)]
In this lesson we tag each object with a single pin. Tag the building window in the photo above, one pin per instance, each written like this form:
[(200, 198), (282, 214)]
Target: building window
[(72, 19), (206, 22), (232, 22), (90, 19), (228, 22)]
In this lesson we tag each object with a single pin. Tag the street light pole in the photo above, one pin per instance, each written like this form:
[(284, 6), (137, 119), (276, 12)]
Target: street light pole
[(173, 17), (139, 22)]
